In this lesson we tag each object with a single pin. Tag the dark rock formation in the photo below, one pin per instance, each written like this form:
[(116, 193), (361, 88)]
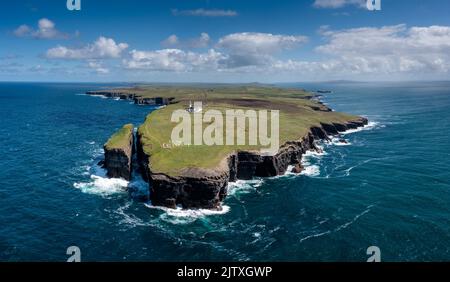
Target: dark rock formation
[(298, 168), (138, 100), (207, 188), (119, 152), (197, 191)]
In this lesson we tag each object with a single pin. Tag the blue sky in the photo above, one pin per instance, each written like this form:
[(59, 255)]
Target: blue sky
[(224, 41)]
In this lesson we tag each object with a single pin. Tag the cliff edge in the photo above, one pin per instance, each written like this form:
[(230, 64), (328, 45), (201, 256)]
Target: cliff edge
[(119, 153)]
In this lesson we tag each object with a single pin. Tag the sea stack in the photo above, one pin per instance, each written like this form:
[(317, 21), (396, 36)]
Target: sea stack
[(119, 153)]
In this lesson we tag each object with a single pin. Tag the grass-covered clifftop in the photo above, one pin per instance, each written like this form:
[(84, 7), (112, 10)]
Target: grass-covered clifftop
[(298, 113), (121, 138)]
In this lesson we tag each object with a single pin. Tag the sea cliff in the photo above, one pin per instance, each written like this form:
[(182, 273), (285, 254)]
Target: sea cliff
[(136, 98), (119, 152), (207, 188), (194, 177)]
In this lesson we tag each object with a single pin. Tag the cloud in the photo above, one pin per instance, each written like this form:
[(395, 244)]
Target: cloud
[(238, 50), (205, 13), (390, 49), (10, 57), (102, 48), (22, 31), (171, 41), (334, 4), (253, 42), (200, 42), (383, 52), (10, 67), (97, 67), (250, 48), (172, 60), (46, 30)]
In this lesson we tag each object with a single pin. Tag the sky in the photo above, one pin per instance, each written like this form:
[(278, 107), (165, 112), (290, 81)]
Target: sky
[(224, 41)]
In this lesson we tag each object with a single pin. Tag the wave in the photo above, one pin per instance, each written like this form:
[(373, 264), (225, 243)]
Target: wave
[(99, 183), (311, 170), (314, 170), (340, 227), (102, 186), (244, 186), (99, 96), (130, 219), (184, 216), (369, 126), (335, 141)]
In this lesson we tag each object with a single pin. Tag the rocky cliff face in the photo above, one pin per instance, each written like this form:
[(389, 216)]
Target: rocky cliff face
[(207, 191), (119, 153), (138, 100), (207, 188)]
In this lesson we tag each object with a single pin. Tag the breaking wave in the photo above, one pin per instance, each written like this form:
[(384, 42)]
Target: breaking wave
[(369, 126), (102, 186), (244, 186), (184, 216)]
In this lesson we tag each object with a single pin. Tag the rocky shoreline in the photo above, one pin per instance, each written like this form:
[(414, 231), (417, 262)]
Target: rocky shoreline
[(199, 188), (207, 188), (136, 98)]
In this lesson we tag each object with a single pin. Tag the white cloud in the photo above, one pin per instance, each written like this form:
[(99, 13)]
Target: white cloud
[(390, 49), (102, 48), (240, 50), (253, 42), (46, 30), (334, 4), (171, 41), (375, 53), (22, 31), (205, 13), (250, 48), (98, 67), (172, 60), (200, 42)]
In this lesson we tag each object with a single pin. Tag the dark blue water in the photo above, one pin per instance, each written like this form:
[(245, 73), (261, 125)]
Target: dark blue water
[(390, 188)]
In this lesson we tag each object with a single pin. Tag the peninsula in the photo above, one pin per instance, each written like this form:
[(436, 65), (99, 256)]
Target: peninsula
[(197, 176)]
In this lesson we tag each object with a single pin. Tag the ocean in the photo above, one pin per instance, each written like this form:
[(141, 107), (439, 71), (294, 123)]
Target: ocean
[(388, 187)]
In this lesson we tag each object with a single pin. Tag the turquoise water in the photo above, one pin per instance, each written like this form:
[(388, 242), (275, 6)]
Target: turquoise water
[(388, 188)]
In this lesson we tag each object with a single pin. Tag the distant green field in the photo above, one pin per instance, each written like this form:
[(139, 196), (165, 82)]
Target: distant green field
[(121, 138), (298, 113)]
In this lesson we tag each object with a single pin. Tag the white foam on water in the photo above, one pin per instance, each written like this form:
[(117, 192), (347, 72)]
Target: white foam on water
[(339, 142), (316, 154), (102, 186), (289, 171), (99, 96), (371, 125), (244, 186), (311, 170), (340, 227), (130, 219), (86, 169), (185, 216)]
